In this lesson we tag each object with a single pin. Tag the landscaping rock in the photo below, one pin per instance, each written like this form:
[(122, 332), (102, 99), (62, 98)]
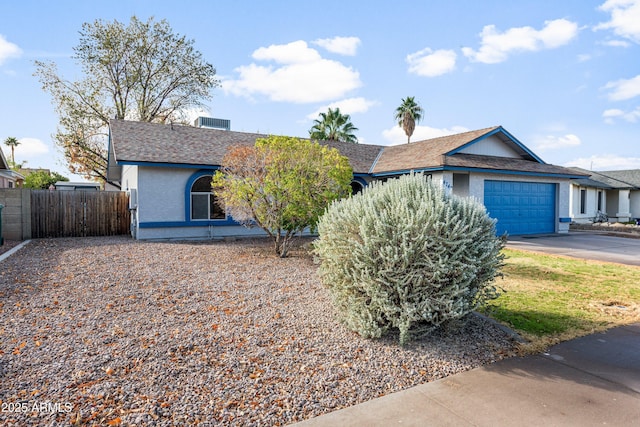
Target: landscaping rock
[(111, 331)]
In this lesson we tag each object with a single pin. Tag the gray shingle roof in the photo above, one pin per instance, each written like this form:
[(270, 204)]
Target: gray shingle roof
[(630, 178), (141, 142), (160, 143), (621, 179)]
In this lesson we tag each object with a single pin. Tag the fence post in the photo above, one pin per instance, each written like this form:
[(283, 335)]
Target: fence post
[(1, 238), (25, 210)]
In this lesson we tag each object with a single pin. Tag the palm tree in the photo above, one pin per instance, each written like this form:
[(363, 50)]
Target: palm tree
[(333, 126), (407, 114), (13, 143)]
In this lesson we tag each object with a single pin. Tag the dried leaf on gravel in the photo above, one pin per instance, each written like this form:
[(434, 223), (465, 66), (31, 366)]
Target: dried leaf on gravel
[(215, 333)]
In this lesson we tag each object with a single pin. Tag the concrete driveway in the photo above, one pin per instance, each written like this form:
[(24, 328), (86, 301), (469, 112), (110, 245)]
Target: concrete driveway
[(582, 244)]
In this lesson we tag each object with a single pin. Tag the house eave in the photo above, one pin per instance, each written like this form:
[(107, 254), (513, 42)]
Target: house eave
[(167, 165), (511, 172), (406, 171), (476, 170)]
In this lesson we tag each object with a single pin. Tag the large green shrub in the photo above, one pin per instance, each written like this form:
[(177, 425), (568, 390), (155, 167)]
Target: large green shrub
[(405, 255)]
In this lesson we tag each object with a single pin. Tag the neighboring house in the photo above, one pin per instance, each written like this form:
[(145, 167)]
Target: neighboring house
[(8, 177), (76, 186), (615, 194), (167, 170)]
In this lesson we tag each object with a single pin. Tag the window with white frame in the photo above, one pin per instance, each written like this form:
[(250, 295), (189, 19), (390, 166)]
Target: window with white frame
[(583, 201), (600, 201), (204, 204)]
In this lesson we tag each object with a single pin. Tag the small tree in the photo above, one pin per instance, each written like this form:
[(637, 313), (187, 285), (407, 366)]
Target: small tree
[(41, 180), (405, 255), (281, 185)]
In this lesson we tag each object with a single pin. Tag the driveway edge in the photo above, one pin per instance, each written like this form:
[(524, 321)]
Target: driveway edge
[(13, 250)]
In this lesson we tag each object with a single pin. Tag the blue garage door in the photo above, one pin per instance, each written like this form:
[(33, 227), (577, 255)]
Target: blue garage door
[(521, 207)]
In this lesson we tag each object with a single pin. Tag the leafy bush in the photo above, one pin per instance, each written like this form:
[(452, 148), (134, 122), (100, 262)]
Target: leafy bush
[(405, 255), (282, 185), (42, 179)]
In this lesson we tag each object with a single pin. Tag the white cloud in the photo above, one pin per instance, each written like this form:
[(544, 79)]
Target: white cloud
[(8, 49), (554, 142), (303, 76), (341, 45), (346, 106), (292, 53), (625, 18), (428, 63), (396, 135), (605, 162), (496, 46), (624, 88), (614, 113), (30, 147), (616, 43)]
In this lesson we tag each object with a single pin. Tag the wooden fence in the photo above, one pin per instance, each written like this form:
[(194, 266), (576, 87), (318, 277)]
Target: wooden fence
[(79, 213)]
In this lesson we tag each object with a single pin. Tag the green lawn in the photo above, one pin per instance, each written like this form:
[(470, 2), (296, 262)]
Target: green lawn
[(549, 298)]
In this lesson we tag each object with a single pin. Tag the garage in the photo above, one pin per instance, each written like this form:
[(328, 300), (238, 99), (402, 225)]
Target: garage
[(521, 207)]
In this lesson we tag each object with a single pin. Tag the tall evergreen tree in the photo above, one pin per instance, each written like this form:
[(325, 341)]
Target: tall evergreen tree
[(407, 114), (333, 126)]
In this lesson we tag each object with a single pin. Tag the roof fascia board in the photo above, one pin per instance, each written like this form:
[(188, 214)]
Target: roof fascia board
[(168, 165), (109, 148), (373, 165), (512, 172), (4, 164), (406, 171)]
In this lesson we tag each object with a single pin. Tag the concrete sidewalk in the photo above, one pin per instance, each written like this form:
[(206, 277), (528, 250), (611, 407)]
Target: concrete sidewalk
[(593, 380)]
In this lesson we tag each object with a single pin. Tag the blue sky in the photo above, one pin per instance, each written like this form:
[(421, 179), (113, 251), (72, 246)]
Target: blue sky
[(562, 76)]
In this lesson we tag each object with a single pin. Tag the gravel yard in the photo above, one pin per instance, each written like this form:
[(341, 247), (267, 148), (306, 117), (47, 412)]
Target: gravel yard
[(110, 331)]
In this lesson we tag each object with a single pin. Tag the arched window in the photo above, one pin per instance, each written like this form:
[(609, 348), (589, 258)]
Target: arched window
[(356, 187), (203, 202)]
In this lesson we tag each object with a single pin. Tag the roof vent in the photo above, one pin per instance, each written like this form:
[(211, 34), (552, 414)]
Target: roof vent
[(210, 122)]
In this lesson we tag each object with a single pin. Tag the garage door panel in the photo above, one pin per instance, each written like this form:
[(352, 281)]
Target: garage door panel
[(521, 207)]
